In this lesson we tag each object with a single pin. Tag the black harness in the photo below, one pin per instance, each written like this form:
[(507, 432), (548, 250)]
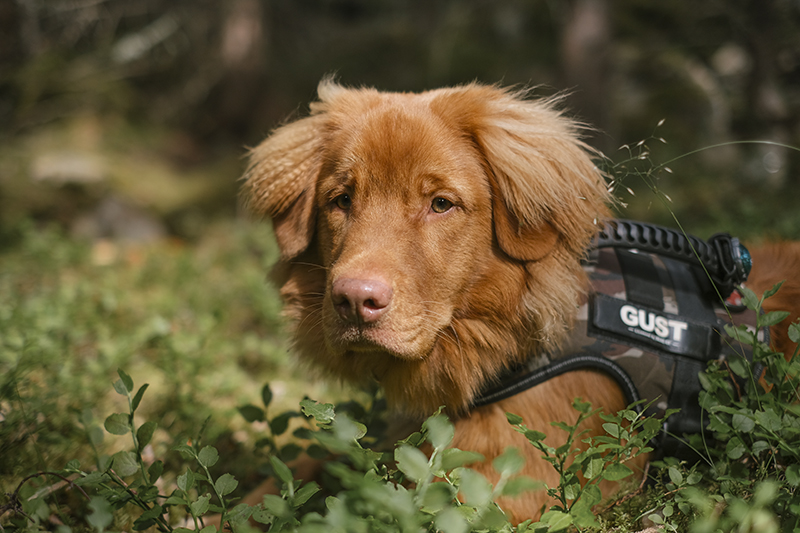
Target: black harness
[(653, 320)]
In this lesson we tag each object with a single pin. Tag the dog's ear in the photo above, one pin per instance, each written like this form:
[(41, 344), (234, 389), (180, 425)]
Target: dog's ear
[(525, 242), (546, 188), (280, 181)]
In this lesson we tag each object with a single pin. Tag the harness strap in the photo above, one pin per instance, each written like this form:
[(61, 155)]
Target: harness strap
[(642, 280), (510, 386)]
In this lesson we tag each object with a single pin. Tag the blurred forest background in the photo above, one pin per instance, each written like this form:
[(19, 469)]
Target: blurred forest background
[(129, 118)]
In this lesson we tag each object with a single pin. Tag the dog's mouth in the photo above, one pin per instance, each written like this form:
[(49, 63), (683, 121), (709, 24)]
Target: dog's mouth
[(371, 340), (377, 340)]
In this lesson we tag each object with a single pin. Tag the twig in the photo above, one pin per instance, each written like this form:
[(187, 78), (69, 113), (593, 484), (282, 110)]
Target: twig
[(14, 505)]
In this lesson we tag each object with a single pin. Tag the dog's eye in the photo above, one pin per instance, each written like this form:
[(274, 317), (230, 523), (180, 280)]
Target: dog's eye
[(440, 205), (343, 201)]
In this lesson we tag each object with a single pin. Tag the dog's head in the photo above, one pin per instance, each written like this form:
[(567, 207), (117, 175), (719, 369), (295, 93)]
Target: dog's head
[(427, 240)]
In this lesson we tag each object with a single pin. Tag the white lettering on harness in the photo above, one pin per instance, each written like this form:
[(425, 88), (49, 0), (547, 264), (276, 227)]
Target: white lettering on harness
[(652, 323)]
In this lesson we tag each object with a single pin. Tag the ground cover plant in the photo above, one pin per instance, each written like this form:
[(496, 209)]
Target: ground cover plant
[(132, 397), (184, 426)]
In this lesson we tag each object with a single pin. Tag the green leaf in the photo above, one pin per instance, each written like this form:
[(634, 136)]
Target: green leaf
[(453, 458), (176, 498), (240, 514), (200, 506), (315, 451), (556, 520), (513, 419), (251, 413), (477, 491), (145, 434), (743, 423), (119, 386), (794, 332), (582, 514), (280, 423), (451, 521), (321, 412), (616, 472), (591, 495), (412, 462), (281, 470), (155, 470), (769, 293), (739, 364), (594, 468), (93, 478), (509, 462), (96, 436), (793, 475), (266, 395), (772, 318), (186, 451), (735, 448), (534, 436), (125, 464), (769, 419), (290, 452), (147, 518), (102, 514), (304, 493), (694, 478), (117, 424), (226, 484), (348, 430), (262, 516), (126, 379), (437, 496), (612, 429), (675, 475), (138, 398), (517, 485), (186, 481), (276, 505), (749, 298), (492, 519), (760, 446), (208, 456), (571, 490), (440, 431)]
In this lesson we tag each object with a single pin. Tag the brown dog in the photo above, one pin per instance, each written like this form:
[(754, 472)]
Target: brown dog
[(430, 241)]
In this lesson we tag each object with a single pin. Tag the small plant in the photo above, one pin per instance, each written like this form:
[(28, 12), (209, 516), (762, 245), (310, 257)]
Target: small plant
[(582, 468), (749, 473)]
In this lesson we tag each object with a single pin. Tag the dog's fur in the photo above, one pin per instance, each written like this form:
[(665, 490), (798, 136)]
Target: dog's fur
[(430, 241)]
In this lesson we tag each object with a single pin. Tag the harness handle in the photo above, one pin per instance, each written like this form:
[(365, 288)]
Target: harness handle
[(726, 260)]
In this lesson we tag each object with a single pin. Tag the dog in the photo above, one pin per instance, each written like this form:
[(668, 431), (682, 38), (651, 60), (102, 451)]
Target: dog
[(431, 241)]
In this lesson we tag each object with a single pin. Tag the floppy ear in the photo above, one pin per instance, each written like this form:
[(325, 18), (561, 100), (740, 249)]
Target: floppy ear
[(546, 188), (523, 242), (280, 180)]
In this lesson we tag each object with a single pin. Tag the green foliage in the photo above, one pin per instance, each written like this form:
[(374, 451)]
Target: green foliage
[(406, 490), (748, 477), (582, 468), (155, 459)]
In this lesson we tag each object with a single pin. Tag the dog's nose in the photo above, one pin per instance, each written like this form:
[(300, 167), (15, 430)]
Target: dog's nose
[(361, 301)]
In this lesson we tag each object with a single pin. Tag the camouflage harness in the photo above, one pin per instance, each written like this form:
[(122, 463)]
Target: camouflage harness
[(653, 320)]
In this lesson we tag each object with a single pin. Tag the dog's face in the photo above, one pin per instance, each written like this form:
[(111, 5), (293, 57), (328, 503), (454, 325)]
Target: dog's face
[(404, 228), (428, 241)]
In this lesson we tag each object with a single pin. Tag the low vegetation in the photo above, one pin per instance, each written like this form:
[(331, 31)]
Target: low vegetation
[(132, 397)]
